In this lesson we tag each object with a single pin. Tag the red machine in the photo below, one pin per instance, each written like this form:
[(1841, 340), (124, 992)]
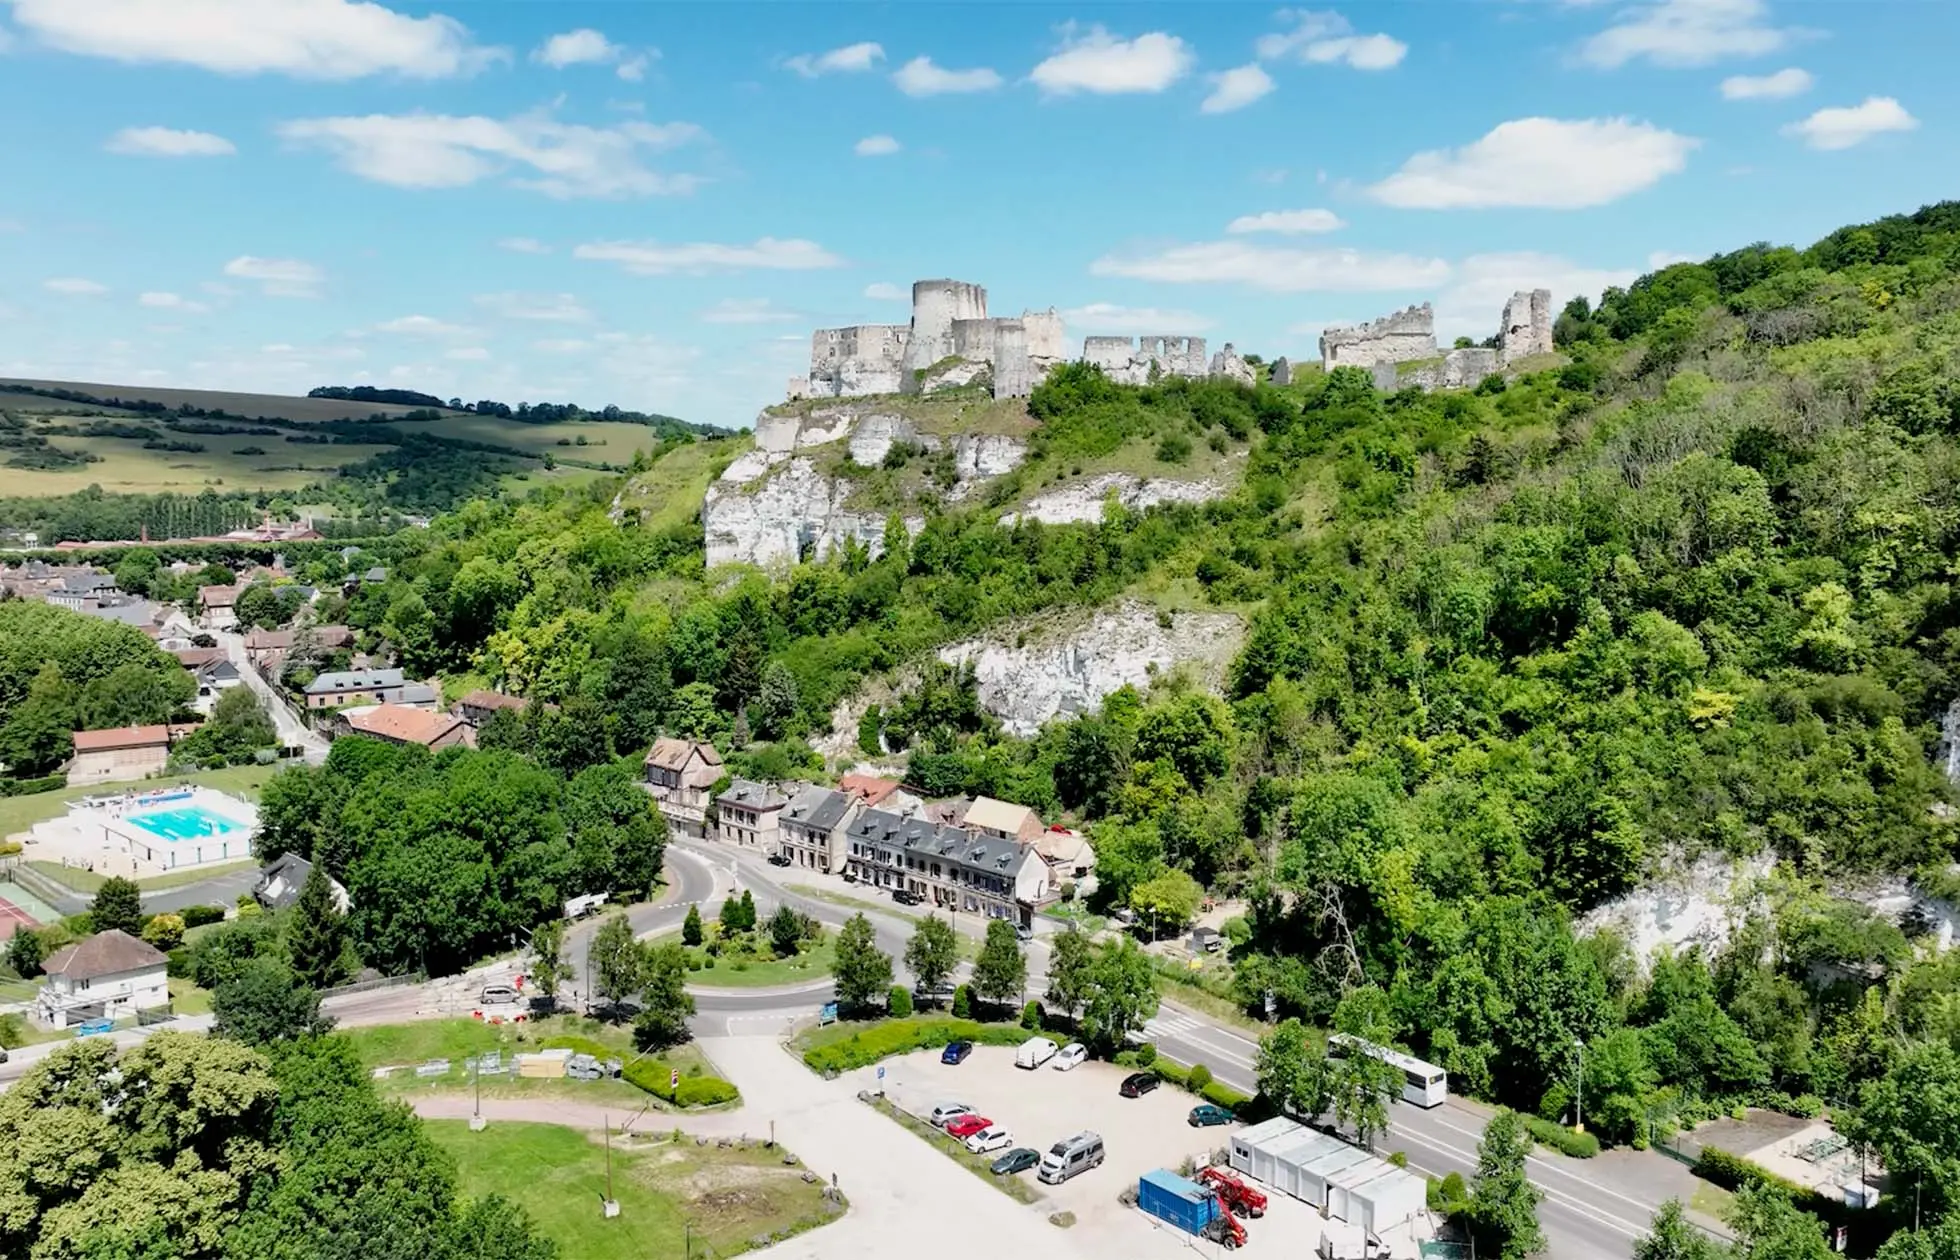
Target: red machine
[(1225, 1228), (1234, 1191)]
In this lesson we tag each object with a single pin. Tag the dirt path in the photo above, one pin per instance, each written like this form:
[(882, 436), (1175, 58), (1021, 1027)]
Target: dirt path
[(578, 1115)]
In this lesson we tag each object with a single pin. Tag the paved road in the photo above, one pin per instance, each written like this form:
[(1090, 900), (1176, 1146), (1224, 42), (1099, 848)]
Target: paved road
[(292, 731)]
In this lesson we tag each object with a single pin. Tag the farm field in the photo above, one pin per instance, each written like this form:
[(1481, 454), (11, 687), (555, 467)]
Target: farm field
[(245, 406), (125, 467)]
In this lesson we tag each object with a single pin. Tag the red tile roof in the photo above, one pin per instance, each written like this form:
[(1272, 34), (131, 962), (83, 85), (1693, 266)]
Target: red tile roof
[(122, 737), (868, 788), (405, 725)]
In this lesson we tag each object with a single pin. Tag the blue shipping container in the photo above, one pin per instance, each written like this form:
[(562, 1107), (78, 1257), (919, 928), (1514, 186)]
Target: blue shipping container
[(1176, 1200)]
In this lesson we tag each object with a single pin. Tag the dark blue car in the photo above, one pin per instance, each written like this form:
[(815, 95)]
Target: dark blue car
[(956, 1052)]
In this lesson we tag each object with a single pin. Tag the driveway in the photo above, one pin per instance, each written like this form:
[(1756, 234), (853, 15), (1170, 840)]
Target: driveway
[(292, 731)]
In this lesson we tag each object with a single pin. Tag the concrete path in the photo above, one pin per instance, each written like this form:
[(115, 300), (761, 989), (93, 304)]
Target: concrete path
[(292, 731)]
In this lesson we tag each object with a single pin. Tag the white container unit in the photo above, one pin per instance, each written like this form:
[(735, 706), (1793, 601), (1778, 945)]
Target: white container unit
[(1314, 1177), (1375, 1195), (1292, 1156), (1252, 1147)]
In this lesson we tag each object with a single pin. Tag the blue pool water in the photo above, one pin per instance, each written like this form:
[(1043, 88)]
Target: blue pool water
[(189, 823)]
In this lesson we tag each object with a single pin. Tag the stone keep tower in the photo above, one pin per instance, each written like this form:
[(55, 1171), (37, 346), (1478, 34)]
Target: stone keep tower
[(1527, 327), (936, 305), (1013, 370)]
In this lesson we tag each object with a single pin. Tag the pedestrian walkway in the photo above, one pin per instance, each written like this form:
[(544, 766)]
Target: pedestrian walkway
[(1170, 1024)]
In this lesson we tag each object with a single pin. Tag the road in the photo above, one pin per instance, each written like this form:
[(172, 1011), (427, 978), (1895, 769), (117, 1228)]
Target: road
[(292, 731)]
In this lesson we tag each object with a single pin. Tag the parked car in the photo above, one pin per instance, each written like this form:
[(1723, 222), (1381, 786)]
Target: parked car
[(992, 1138), (906, 897), (947, 1112), (1020, 1159), (956, 1052), (1204, 1115), (1071, 1054), (967, 1125), (1137, 1084), (1070, 1156), (498, 994), (779, 858), (1023, 933), (1034, 1052)]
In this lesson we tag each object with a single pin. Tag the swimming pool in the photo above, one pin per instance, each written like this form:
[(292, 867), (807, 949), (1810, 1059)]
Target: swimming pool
[(192, 822)]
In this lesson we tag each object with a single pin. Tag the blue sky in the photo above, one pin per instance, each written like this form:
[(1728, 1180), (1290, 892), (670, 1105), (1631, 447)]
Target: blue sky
[(653, 204)]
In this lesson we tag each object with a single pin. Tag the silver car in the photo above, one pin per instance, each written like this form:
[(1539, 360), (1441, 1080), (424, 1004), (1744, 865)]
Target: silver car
[(945, 1113)]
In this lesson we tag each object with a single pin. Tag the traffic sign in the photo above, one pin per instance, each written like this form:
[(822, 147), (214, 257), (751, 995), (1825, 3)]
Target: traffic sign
[(881, 1071), (828, 1015), (674, 1079)]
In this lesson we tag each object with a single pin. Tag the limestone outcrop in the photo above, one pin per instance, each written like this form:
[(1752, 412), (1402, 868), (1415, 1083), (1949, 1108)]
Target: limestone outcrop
[(1083, 501), (793, 513)]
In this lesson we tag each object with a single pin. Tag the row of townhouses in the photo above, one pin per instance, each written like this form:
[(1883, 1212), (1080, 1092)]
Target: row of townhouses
[(978, 856)]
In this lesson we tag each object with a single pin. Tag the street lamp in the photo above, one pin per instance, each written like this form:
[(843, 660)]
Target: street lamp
[(1579, 1085)]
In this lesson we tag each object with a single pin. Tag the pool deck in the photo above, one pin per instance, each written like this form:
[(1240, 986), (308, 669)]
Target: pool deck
[(87, 837)]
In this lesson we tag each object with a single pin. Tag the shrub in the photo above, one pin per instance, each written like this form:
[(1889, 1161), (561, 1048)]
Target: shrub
[(178, 964), (165, 931), (1197, 1078), (13, 1032), (1399, 1158), (902, 1036), (1562, 1139), (653, 1076), (963, 1003), (201, 916), (1225, 1096), (1031, 1016), (899, 1003), (1448, 1196), (1147, 1054)]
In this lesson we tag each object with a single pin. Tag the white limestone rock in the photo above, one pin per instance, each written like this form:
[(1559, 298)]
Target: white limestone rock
[(875, 436), (954, 373), (1050, 671), (977, 455), (1082, 501), (795, 513), (1702, 905), (1230, 365)]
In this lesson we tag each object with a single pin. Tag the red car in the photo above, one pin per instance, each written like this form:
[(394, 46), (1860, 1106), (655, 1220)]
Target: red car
[(967, 1125)]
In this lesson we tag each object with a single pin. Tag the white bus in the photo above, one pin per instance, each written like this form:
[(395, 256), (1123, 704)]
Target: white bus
[(1423, 1084)]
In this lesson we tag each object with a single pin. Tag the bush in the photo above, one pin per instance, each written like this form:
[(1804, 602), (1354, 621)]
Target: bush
[(33, 787), (1399, 1158), (201, 916), (902, 1036), (13, 1032), (178, 966), (1225, 1096), (653, 1076), (165, 931), (1031, 1016), (1562, 1139), (1147, 1054), (1448, 1196), (1197, 1078), (899, 1003), (963, 1003)]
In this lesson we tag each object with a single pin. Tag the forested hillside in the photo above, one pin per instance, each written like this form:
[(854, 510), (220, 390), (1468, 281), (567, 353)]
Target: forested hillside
[(1512, 651)]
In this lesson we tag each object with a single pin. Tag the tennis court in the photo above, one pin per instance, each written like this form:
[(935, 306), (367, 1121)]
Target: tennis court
[(12, 919)]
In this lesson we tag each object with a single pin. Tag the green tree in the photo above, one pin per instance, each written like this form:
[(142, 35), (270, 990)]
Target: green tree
[(550, 969), (266, 1003), (619, 839), (493, 1228), (931, 954), (731, 917), (1674, 1237), (37, 735), (1122, 996), (748, 911), (165, 931), (776, 702), (1911, 1118), (316, 932), (862, 971), (1364, 1085), (691, 933), (118, 906), (1000, 973), (1292, 1072), (785, 931), (1169, 900), (1768, 1226), (1071, 970), (665, 1003), (1503, 1209), (26, 950), (617, 962), (135, 694)]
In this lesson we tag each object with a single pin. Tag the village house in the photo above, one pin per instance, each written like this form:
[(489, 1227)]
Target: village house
[(947, 867), (355, 686), (217, 607), (477, 707), (402, 724), (748, 813), (111, 975), (989, 817), (679, 775), (812, 829), (1071, 860), (82, 590), (282, 879), (268, 650), (121, 753)]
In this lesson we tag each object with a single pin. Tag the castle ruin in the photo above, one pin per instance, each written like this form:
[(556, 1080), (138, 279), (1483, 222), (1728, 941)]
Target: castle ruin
[(1397, 338), (1399, 350)]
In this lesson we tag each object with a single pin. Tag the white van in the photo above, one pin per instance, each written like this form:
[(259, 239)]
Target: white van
[(1034, 1052), (1070, 1156)]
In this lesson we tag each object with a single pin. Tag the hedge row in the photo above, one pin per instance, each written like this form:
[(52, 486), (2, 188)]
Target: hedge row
[(199, 916), (1562, 1139), (33, 787), (1203, 1085), (653, 1076), (1732, 1172), (902, 1036)]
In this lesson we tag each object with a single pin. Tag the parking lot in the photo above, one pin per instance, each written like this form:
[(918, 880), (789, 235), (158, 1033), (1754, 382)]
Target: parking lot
[(1044, 1106)]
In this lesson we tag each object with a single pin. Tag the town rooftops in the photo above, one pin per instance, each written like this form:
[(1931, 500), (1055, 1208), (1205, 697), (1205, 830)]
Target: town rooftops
[(119, 737), (282, 879), (354, 680), (283, 640), (88, 583), (925, 838), (988, 814), (673, 754), (818, 808), (217, 596), (492, 700), (753, 795), (404, 725), (418, 693), (107, 953), (868, 788), (193, 657)]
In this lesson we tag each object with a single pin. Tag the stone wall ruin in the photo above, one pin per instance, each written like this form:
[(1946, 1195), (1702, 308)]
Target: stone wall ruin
[(1400, 351), (1398, 338)]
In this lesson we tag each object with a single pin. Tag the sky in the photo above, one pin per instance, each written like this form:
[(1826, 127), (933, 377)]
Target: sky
[(653, 204)]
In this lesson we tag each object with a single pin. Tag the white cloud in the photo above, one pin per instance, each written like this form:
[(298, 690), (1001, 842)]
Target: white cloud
[(165, 142), (421, 326), (1236, 89), (308, 39), (634, 68), (875, 146), (1276, 270), (881, 291), (523, 245), (550, 308), (1667, 258), (566, 160), (1844, 126), (1287, 222), (920, 77), (1107, 317), (850, 59), (1542, 162), (278, 277), (1319, 38), (746, 311), (171, 302), (650, 258), (468, 354), (582, 47), (1767, 87), (1686, 33), (1473, 303), (561, 345), (1097, 61), (74, 286)]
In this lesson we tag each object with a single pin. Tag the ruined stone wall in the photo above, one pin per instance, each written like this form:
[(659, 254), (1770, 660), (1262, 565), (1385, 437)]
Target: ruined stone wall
[(1230, 365), (1111, 354), (1527, 326), (936, 305), (1130, 362), (974, 338), (1459, 369), (1174, 356), (1407, 334), (1013, 372), (1047, 340)]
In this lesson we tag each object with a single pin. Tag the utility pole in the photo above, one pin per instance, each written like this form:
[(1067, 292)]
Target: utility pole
[(476, 1080), (1579, 1085), (611, 1206)]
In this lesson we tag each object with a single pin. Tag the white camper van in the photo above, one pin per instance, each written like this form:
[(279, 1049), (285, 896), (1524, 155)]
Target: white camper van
[(1034, 1052)]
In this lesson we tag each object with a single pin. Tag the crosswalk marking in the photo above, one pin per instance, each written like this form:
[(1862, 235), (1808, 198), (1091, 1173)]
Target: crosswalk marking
[(1170, 1025)]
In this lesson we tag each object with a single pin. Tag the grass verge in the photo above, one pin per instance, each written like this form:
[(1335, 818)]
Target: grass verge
[(88, 882), (729, 1198), (18, 813), (720, 973), (1013, 1186)]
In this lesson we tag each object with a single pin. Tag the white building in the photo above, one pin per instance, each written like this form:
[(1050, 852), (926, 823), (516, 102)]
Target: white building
[(111, 975)]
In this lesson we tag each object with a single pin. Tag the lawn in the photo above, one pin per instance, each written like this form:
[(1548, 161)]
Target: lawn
[(671, 1197), (187, 999), (18, 813), (720, 973), (406, 1045), (87, 882)]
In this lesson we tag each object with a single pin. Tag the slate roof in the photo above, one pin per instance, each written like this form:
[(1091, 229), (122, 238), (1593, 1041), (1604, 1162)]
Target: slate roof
[(754, 795), (818, 808), (928, 839), (104, 954), (492, 700), (354, 680)]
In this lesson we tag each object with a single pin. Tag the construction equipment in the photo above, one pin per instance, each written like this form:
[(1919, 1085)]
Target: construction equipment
[(1242, 1197), (1225, 1228)]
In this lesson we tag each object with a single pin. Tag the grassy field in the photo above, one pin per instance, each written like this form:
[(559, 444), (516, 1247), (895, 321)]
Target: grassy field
[(671, 492), (88, 882), (18, 813), (812, 964), (125, 467), (723, 1196), (247, 406), (403, 1045)]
